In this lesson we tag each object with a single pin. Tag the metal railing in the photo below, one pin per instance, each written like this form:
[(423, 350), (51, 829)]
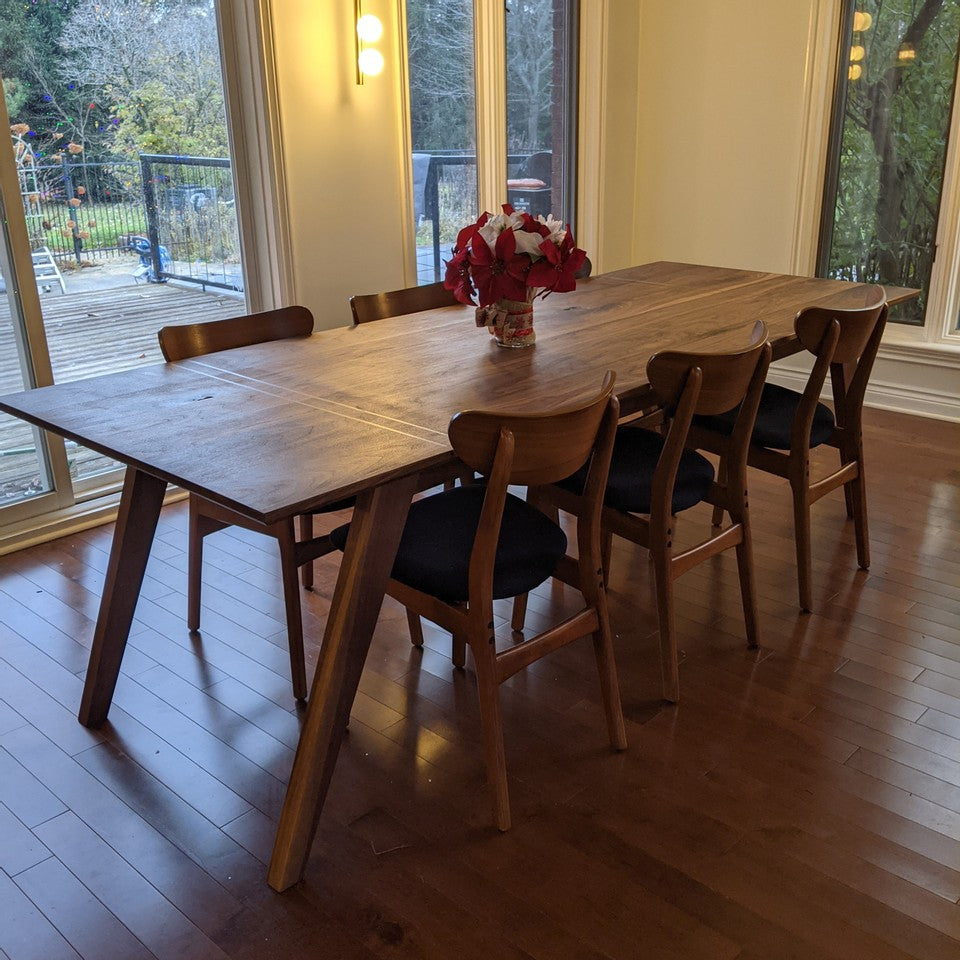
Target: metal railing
[(191, 220), (449, 199)]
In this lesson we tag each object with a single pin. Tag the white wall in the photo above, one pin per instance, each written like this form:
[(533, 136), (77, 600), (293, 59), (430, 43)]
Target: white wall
[(344, 156), (721, 108)]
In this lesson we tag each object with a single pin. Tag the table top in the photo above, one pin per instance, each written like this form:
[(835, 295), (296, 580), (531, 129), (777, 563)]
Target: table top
[(280, 428)]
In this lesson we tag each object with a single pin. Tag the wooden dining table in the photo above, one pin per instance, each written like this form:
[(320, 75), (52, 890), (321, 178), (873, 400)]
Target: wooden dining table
[(282, 428)]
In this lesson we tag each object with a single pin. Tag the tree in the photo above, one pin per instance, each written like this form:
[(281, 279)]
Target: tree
[(150, 59), (118, 76), (896, 119), (530, 69)]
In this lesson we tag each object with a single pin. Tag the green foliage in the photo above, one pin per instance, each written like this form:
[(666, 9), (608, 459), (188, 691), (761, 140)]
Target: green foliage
[(893, 148), (153, 120), (16, 93), (117, 76)]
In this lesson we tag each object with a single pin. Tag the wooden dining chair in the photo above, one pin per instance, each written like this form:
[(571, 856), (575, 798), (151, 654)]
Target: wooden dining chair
[(463, 548), (188, 340), (397, 303), (654, 476), (366, 308), (789, 424)]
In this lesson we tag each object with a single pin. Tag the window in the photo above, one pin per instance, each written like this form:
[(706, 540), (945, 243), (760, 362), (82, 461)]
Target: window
[(533, 63), (541, 106), (887, 172)]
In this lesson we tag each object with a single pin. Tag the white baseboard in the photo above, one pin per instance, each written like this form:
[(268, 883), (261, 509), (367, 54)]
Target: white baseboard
[(70, 520), (924, 388)]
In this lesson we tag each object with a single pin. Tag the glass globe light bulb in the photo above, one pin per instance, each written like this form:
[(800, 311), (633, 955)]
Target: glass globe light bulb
[(369, 28), (370, 62)]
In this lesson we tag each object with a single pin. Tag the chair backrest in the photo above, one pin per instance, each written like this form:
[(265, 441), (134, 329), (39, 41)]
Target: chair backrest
[(708, 384), (186, 340), (584, 270), (845, 342), (396, 303), (857, 326), (538, 166), (546, 447), (724, 377)]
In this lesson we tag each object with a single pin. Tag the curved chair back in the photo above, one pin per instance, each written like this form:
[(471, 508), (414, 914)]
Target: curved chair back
[(584, 270), (180, 342), (397, 303), (857, 326), (546, 447), (724, 377), (708, 384), (845, 342)]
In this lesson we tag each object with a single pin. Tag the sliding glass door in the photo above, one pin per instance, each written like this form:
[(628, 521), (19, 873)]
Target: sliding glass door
[(119, 206)]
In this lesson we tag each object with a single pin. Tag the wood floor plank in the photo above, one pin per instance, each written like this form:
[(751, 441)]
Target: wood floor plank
[(125, 893), (25, 933), (82, 919)]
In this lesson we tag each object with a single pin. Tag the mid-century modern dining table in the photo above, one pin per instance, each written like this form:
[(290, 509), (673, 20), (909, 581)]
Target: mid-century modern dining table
[(278, 429)]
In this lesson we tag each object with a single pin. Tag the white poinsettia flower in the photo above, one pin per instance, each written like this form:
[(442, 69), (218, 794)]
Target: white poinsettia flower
[(556, 227), (493, 228), (529, 243)]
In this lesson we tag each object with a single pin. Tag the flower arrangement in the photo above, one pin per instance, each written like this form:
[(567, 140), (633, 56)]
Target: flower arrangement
[(506, 261), (512, 256)]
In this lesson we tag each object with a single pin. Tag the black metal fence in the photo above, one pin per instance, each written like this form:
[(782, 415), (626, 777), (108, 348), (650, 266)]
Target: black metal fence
[(192, 220), (84, 211), (178, 214)]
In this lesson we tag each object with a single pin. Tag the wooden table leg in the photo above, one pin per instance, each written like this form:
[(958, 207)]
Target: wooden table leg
[(140, 505), (375, 530)]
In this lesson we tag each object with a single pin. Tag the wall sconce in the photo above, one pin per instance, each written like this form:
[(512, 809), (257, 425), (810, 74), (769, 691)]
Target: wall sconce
[(862, 21), (369, 30)]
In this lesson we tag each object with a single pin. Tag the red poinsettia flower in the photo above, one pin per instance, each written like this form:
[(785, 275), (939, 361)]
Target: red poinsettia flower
[(466, 234), (498, 274), (457, 277), (555, 272)]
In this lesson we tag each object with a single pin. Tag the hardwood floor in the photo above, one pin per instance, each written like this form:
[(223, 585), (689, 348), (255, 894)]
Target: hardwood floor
[(802, 801)]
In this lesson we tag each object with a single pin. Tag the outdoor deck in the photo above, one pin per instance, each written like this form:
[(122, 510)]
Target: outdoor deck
[(90, 333)]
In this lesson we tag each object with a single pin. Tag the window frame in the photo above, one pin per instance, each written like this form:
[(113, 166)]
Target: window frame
[(940, 332)]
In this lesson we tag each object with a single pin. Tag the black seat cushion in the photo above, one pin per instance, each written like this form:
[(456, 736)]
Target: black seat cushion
[(434, 551), (778, 405), (635, 455)]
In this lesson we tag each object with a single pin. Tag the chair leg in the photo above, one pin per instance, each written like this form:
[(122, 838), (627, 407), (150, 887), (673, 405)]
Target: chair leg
[(198, 526), (194, 568), (609, 684), (306, 533), (291, 599), (858, 498), (416, 630), (458, 651), (748, 585), (801, 535), (519, 613), (489, 695), (606, 552), (669, 665), (717, 518)]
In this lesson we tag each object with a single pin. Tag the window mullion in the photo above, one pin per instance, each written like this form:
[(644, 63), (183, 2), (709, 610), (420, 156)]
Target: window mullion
[(490, 66), (944, 298)]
